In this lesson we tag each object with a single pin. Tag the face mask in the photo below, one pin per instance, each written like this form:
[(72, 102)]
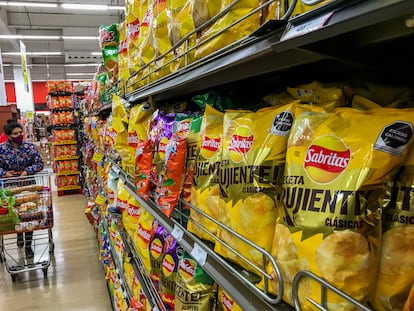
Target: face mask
[(18, 139)]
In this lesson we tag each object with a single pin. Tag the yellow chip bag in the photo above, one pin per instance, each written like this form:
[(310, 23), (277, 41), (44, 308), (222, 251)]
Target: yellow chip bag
[(226, 303), (204, 10), (120, 128), (254, 148), (143, 236), (123, 53), (132, 20), (205, 190), (337, 166), (396, 269), (145, 40), (134, 210), (234, 33)]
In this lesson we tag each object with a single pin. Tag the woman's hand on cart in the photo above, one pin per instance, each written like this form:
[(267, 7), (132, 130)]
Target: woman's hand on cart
[(12, 174)]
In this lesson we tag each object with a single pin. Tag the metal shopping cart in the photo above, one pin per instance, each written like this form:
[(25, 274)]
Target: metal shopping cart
[(26, 205)]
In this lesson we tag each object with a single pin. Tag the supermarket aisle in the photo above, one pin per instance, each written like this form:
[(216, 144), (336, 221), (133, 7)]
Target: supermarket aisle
[(76, 278)]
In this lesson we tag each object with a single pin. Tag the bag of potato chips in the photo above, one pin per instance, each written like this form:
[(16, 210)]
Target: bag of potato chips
[(134, 210), (254, 148), (120, 129), (157, 252), (132, 21), (195, 289), (234, 33), (204, 10), (226, 303), (123, 53), (146, 39), (337, 166), (205, 190), (396, 268), (142, 238)]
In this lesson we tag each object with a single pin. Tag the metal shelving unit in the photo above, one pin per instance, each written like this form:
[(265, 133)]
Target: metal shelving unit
[(366, 22)]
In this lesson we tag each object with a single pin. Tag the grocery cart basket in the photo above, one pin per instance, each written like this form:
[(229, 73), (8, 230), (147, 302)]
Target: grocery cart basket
[(26, 205)]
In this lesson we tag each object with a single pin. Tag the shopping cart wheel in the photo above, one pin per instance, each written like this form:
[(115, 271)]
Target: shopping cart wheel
[(45, 273), (51, 248), (13, 276)]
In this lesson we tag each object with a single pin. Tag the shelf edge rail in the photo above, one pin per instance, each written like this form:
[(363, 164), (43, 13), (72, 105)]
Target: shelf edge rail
[(171, 223)]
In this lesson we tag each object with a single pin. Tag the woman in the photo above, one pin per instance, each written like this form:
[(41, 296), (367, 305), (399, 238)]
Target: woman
[(19, 158)]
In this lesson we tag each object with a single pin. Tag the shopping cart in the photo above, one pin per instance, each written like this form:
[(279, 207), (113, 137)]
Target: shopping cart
[(26, 205)]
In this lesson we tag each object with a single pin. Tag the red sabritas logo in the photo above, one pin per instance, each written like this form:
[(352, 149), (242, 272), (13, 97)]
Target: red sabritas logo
[(210, 144), (241, 144), (132, 30), (227, 303), (326, 158)]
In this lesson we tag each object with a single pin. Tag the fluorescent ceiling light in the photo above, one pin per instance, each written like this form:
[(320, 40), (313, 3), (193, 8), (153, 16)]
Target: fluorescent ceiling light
[(28, 37), (82, 65), (76, 6), (79, 73), (33, 53), (29, 4), (96, 53), (80, 37), (116, 7)]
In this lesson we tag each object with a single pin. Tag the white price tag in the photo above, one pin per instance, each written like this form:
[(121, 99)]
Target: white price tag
[(306, 27), (155, 308), (177, 233), (116, 170), (199, 254)]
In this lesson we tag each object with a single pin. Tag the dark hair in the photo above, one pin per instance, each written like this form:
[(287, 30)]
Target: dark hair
[(9, 127), (11, 120)]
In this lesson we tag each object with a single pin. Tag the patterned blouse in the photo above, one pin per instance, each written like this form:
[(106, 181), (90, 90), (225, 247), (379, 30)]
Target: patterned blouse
[(23, 158)]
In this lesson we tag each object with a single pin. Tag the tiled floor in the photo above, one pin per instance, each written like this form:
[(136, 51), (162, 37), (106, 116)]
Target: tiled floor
[(76, 278)]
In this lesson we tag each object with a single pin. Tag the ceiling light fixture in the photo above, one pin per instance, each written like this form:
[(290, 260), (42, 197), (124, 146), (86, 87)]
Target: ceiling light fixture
[(92, 7), (79, 73), (29, 4), (32, 53), (96, 53), (80, 37)]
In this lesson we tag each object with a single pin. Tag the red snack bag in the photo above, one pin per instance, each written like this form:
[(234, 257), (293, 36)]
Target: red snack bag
[(171, 179)]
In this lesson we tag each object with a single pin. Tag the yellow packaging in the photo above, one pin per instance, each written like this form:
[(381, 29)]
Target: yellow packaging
[(134, 210), (139, 119), (120, 128), (123, 53), (132, 21), (143, 236), (337, 166), (254, 148), (204, 10), (180, 24), (361, 103), (146, 38), (272, 11), (122, 195), (237, 32), (205, 190), (396, 269), (328, 97), (226, 303)]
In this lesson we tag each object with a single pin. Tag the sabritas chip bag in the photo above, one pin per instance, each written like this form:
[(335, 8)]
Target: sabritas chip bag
[(145, 40), (226, 303), (161, 40), (122, 199), (143, 236), (205, 190), (195, 289), (123, 53), (139, 120), (254, 148), (180, 24), (204, 10), (396, 269), (240, 30), (337, 166), (328, 97), (132, 22), (120, 128), (157, 253), (134, 210)]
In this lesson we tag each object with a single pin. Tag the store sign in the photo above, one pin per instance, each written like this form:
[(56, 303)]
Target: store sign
[(24, 66)]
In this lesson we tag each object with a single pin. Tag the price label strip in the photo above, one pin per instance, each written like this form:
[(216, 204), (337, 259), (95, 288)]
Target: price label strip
[(177, 233), (100, 199), (98, 157), (199, 254), (306, 27), (116, 170)]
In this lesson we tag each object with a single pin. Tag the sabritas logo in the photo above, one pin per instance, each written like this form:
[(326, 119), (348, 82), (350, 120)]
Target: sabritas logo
[(227, 302), (156, 248), (184, 126), (144, 234), (134, 210), (122, 204), (326, 158), (240, 143), (187, 268), (162, 146), (168, 265), (132, 30), (209, 146), (132, 139), (106, 36)]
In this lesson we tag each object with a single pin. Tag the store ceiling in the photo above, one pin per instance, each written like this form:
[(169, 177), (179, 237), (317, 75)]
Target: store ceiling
[(62, 54)]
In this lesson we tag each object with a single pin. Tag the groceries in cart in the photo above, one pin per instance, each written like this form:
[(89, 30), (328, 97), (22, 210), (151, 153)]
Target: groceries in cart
[(24, 206)]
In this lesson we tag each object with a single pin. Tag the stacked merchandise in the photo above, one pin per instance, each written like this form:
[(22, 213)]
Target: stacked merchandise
[(64, 147), (159, 37), (288, 176)]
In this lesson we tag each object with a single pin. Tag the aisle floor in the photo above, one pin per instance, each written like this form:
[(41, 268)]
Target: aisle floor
[(76, 279)]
